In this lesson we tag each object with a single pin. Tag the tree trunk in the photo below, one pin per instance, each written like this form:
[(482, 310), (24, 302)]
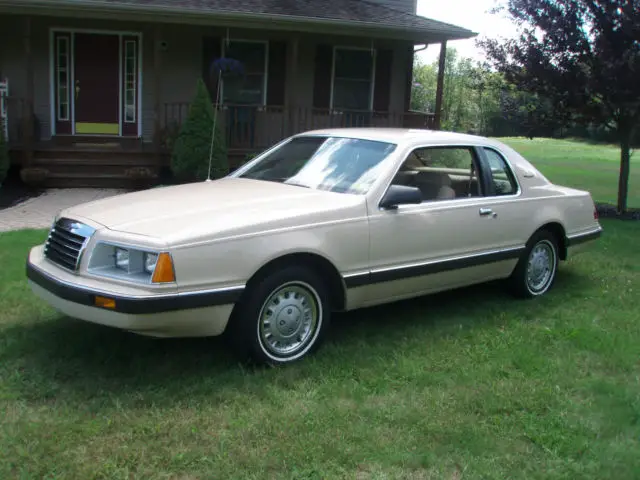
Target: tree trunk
[(625, 161)]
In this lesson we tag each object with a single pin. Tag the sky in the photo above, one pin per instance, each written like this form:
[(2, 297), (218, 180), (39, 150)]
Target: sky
[(471, 14)]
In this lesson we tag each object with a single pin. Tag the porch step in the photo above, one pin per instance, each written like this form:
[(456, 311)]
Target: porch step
[(111, 157), (91, 160), (84, 171), (85, 180)]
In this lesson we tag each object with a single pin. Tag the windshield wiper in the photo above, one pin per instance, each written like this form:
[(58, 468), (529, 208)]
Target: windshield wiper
[(295, 184)]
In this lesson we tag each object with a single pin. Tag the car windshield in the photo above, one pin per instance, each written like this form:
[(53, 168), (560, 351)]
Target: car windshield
[(336, 164)]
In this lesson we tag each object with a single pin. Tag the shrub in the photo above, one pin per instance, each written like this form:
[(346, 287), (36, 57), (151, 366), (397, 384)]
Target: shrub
[(141, 177), (4, 155), (190, 154)]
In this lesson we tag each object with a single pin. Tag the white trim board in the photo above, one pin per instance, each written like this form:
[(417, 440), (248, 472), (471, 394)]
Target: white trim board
[(52, 81)]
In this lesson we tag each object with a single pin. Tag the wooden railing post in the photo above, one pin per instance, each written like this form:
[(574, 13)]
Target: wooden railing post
[(440, 88), (157, 72), (27, 110), (292, 98)]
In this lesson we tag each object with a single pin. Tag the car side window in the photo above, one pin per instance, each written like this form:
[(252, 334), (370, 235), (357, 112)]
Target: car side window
[(504, 182), (441, 173)]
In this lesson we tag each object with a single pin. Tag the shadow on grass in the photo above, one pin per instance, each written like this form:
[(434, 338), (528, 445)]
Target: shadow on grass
[(82, 364)]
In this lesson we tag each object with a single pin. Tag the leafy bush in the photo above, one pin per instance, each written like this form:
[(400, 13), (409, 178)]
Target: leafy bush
[(190, 154), (4, 155)]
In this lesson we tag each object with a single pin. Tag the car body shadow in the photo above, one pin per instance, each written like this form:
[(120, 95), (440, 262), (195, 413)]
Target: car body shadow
[(77, 362)]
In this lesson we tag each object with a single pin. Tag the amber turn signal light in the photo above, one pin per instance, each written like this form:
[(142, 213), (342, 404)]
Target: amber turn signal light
[(104, 302), (164, 270)]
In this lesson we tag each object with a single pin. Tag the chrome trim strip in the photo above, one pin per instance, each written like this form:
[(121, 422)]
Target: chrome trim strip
[(448, 259), (573, 236), (418, 269)]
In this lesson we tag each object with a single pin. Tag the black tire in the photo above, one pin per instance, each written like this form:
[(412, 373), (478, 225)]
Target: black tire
[(307, 295), (520, 284)]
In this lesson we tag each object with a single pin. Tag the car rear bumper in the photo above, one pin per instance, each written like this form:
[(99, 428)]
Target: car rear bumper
[(579, 242), (192, 314)]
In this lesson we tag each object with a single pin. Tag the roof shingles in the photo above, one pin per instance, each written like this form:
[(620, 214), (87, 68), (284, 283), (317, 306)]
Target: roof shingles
[(359, 11)]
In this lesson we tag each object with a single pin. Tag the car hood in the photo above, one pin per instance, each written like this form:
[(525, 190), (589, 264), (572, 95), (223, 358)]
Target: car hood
[(228, 206)]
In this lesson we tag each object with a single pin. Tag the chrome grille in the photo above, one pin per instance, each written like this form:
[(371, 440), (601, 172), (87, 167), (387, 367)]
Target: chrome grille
[(65, 243)]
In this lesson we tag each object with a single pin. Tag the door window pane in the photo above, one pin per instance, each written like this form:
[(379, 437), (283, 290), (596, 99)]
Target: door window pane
[(130, 87), (441, 173), (62, 57)]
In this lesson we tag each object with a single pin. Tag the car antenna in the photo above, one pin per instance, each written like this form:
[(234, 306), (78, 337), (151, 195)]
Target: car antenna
[(215, 118)]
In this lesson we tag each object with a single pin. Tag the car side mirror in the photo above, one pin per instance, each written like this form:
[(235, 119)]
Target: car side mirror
[(401, 195)]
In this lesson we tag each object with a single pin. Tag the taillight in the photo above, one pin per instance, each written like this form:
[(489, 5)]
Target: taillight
[(595, 213)]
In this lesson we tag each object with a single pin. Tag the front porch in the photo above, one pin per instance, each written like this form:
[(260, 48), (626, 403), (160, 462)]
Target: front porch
[(88, 119), (103, 161)]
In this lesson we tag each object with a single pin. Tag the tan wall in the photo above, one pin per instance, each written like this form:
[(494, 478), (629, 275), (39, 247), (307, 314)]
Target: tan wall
[(181, 61)]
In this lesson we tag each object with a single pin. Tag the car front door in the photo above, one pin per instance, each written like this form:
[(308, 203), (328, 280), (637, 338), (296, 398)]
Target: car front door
[(455, 237)]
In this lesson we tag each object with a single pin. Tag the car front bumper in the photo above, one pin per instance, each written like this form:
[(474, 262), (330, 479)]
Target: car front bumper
[(184, 314)]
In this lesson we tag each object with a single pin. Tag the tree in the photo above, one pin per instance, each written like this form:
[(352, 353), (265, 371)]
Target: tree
[(191, 150), (582, 56)]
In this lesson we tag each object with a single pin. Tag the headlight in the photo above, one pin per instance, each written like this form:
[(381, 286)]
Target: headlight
[(150, 262), (122, 259), (131, 264)]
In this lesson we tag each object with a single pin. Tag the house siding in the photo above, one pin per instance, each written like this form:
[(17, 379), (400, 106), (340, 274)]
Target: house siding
[(181, 62)]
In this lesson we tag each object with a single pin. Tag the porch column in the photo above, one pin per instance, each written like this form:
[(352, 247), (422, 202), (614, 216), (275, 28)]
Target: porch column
[(291, 100), (157, 76), (27, 108), (440, 88)]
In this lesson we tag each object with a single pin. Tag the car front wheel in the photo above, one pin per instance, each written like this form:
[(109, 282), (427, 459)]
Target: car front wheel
[(282, 318), (536, 271)]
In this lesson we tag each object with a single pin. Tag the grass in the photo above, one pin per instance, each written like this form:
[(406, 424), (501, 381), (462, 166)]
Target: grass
[(468, 384), (577, 164)]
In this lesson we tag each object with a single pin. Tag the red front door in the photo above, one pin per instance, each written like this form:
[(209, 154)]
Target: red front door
[(97, 84)]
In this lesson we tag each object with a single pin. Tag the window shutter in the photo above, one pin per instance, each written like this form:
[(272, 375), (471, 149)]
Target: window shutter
[(382, 88), (211, 51), (322, 76), (276, 79)]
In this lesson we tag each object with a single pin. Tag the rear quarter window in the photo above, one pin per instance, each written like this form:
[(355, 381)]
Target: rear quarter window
[(502, 177)]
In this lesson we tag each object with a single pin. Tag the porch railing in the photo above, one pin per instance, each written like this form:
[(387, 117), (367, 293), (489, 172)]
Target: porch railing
[(258, 127)]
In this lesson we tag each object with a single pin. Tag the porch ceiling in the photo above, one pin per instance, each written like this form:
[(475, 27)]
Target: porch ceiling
[(362, 17)]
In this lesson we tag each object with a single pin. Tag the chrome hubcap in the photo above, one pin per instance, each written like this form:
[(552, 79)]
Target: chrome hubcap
[(541, 266), (289, 319)]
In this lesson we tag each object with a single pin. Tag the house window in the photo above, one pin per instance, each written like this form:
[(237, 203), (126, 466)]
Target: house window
[(62, 73), (353, 79), (248, 86), (130, 93)]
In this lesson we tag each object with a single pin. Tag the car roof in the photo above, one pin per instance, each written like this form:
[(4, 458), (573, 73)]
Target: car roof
[(404, 136)]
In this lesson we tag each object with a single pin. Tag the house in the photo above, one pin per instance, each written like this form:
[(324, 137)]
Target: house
[(98, 86)]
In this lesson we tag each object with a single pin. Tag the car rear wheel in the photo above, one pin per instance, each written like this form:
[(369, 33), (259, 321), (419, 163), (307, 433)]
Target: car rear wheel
[(536, 271), (282, 318)]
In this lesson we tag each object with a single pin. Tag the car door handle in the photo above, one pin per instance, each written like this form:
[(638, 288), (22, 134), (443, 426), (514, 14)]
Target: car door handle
[(485, 211)]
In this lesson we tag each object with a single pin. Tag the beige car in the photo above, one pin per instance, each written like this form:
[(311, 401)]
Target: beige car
[(325, 221)]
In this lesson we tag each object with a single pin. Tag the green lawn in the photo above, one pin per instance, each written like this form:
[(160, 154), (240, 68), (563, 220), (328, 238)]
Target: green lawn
[(470, 384), (580, 165)]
